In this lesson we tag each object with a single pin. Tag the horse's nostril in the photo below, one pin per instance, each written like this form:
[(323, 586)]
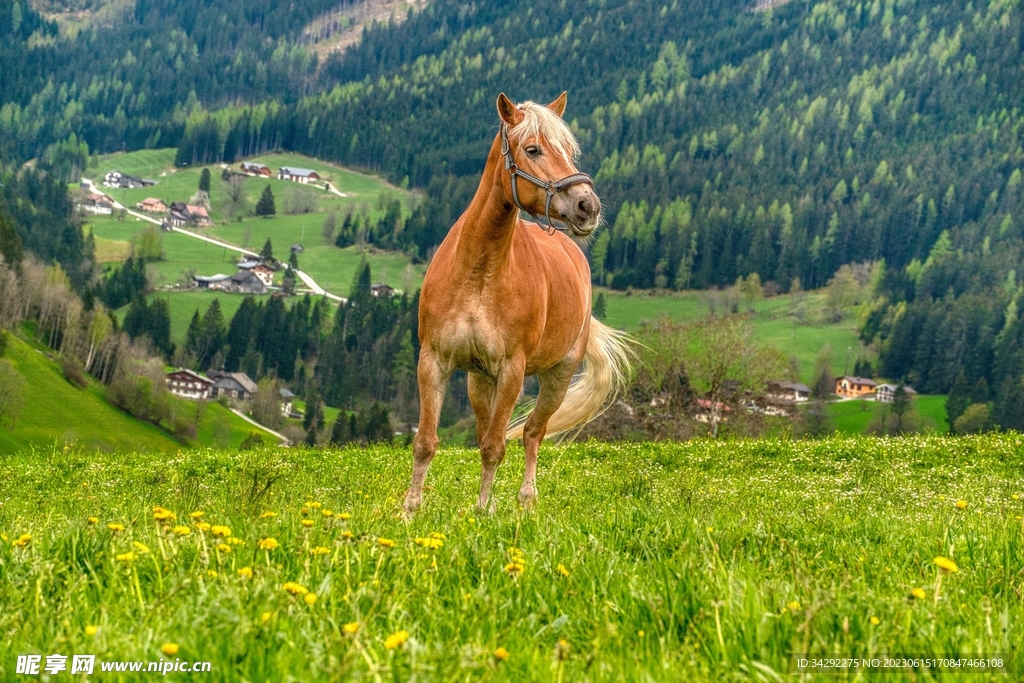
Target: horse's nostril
[(582, 208)]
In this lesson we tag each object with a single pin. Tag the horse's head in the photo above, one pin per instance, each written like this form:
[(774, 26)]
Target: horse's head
[(541, 157)]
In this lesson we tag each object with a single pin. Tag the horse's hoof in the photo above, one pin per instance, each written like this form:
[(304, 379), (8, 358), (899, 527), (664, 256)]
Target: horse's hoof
[(528, 498), (411, 507)]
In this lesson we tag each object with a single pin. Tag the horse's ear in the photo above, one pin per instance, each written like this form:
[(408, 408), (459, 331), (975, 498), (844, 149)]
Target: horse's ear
[(558, 106), (508, 112)]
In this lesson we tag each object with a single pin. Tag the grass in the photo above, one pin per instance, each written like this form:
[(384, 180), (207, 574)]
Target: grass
[(852, 417), (704, 561), (772, 322), (54, 410), (184, 304)]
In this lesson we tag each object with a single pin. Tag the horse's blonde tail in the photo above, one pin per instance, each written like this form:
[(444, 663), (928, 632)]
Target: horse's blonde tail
[(606, 371)]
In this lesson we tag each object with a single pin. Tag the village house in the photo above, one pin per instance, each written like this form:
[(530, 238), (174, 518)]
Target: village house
[(252, 169), (99, 204), (188, 384), (286, 402), (246, 282), (707, 409), (885, 393), (218, 281), (381, 289), (125, 181), (263, 272), (236, 385), (789, 391), (854, 387), (183, 214), (151, 205), (298, 175)]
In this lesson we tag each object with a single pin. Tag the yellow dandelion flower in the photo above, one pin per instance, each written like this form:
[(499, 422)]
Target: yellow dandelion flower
[(141, 547), (295, 588), (514, 569), (93, 520), (169, 649), (91, 630), (212, 573), (245, 572), (641, 633), (328, 513), (501, 654), (918, 593), (351, 628), (344, 516), (268, 543), (182, 530), (793, 606), (22, 541), (471, 520), (385, 542), (163, 515), (319, 550), (947, 564), (961, 504), (203, 526), (875, 621), (198, 514), (265, 617), (310, 598), (315, 506), (428, 542), (348, 535), (234, 540), (125, 557), (562, 649), (563, 571), (396, 640), (222, 531), (224, 547), (1016, 496), (307, 523), (438, 535), (268, 514), (115, 527)]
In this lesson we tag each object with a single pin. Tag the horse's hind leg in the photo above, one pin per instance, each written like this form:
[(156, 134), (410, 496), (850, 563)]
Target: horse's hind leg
[(553, 385), (432, 380), (507, 387)]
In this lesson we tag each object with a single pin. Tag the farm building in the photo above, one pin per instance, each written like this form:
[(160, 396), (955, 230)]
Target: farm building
[(151, 205), (246, 282), (252, 169), (854, 387), (188, 384), (790, 391), (235, 385), (125, 181), (217, 281), (381, 289), (298, 175), (263, 272), (885, 393), (99, 204), (286, 402)]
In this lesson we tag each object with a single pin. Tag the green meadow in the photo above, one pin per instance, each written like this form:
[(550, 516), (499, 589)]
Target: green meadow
[(55, 411), (703, 561), (853, 417)]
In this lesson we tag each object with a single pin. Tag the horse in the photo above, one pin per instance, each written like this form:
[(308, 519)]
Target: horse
[(504, 298)]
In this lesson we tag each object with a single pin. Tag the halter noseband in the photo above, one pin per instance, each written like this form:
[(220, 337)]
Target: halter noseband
[(551, 187)]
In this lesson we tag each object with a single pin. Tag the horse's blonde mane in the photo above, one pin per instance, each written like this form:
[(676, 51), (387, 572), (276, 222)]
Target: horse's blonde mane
[(539, 120)]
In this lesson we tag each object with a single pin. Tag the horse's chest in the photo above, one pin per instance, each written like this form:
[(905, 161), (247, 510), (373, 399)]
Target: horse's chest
[(473, 340)]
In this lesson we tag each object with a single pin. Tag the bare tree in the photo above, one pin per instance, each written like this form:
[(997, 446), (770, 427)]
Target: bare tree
[(11, 386)]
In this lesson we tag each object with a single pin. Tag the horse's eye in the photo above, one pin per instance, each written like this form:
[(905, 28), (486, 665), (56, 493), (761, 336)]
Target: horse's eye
[(533, 150)]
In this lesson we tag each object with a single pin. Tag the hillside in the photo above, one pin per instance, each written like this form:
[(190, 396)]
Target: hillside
[(703, 561), (55, 411)]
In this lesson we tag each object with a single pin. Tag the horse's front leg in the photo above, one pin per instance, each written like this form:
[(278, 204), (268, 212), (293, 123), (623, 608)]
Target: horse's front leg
[(508, 386), (553, 385), (432, 380)]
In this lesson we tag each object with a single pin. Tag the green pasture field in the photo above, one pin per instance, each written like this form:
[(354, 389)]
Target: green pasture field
[(703, 561), (772, 322), (54, 410), (853, 417)]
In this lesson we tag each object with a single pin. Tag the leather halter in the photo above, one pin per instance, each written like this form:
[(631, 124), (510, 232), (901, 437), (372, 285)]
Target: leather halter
[(551, 187)]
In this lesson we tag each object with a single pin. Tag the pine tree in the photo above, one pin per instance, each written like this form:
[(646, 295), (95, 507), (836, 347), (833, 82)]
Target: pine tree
[(599, 310), (267, 252), (958, 399), (339, 431), (204, 180), (265, 206), (10, 243)]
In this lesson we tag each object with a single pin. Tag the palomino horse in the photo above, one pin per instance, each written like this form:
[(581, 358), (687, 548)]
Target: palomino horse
[(504, 298)]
